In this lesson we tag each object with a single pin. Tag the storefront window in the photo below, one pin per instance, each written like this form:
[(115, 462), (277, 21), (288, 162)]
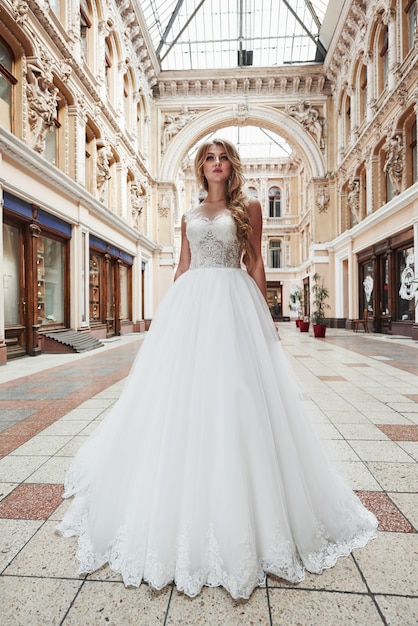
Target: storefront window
[(367, 284), (385, 286), (406, 291), (94, 287), (274, 301), (11, 275), (124, 292), (50, 281)]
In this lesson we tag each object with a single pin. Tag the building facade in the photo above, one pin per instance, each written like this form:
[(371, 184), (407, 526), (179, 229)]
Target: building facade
[(95, 174)]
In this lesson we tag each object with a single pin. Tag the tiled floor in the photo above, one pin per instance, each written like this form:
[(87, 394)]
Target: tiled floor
[(362, 392)]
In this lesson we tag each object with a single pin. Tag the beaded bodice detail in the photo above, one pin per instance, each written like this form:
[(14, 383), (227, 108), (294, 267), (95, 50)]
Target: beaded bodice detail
[(213, 241)]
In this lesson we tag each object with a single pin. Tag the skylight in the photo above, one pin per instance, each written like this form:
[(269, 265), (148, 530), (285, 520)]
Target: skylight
[(206, 34), (253, 143)]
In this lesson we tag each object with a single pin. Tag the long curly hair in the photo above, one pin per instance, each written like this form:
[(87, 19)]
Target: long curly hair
[(236, 198)]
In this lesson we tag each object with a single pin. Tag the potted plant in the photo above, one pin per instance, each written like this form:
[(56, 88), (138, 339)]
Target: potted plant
[(304, 325), (319, 304), (296, 304)]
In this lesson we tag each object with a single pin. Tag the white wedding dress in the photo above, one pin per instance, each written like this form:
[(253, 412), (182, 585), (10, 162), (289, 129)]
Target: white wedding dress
[(206, 471)]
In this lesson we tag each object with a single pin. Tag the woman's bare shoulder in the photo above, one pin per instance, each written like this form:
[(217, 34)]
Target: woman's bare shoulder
[(253, 207)]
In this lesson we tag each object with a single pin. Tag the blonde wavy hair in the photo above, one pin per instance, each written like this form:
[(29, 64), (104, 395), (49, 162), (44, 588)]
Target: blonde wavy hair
[(236, 198)]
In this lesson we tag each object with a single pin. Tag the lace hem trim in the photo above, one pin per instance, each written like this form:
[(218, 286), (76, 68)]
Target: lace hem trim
[(281, 559)]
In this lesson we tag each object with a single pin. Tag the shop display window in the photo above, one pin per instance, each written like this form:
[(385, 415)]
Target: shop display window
[(367, 286), (94, 287), (50, 281), (406, 288), (124, 292)]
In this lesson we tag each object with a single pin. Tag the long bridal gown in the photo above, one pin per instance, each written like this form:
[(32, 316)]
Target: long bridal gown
[(206, 471)]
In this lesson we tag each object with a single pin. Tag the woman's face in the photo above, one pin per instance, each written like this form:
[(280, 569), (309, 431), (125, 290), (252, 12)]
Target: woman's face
[(216, 166)]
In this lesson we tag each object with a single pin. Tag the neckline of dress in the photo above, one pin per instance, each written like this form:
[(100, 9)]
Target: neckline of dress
[(215, 216)]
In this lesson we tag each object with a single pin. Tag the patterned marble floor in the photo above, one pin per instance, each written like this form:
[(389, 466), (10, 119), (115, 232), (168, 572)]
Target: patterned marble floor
[(362, 391)]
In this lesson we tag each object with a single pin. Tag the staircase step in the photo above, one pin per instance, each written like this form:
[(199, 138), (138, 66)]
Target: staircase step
[(78, 341)]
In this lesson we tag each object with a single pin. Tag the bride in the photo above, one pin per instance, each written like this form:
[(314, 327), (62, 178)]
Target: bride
[(206, 471)]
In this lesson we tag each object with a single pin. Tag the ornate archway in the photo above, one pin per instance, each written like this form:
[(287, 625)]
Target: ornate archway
[(270, 118)]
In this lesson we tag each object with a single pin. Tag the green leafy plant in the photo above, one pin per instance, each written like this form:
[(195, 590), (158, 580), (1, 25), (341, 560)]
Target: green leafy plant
[(319, 304), (296, 301)]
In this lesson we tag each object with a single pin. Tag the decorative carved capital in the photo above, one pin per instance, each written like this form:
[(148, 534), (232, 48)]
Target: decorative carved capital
[(309, 118), (164, 207), (395, 160), (322, 199), (104, 156), (353, 200), (173, 123), (20, 9), (43, 100), (241, 112)]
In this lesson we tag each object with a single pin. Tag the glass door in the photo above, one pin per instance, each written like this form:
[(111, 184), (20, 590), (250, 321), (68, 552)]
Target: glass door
[(14, 291), (110, 296)]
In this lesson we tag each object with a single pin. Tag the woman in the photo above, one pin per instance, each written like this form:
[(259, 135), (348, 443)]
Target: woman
[(206, 471)]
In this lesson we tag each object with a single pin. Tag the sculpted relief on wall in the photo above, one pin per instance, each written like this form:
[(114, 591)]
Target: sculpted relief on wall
[(42, 99)]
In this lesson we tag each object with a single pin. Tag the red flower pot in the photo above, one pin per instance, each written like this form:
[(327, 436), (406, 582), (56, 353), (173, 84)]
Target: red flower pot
[(319, 330), (303, 326)]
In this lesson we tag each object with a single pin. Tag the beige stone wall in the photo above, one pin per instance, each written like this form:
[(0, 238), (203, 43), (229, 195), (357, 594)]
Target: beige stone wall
[(123, 132)]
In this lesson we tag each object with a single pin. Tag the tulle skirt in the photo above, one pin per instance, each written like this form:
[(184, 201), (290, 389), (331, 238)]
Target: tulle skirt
[(206, 471)]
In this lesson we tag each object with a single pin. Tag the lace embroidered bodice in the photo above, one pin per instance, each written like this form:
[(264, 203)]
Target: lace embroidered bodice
[(213, 240)]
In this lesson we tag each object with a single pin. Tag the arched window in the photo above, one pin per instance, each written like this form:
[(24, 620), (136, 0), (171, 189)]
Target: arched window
[(275, 197), (128, 102), (7, 80), (253, 192), (275, 254), (110, 68), (409, 25), (347, 120), (363, 93), (86, 22), (383, 62)]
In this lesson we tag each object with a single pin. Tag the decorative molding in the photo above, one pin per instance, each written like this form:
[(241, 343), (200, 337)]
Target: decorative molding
[(308, 116), (173, 123), (164, 207), (174, 85), (322, 199), (64, 185), (395, 160), (42, 99)]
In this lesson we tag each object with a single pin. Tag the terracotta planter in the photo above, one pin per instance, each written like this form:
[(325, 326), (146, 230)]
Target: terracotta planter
[(303, 326), (319, 330)]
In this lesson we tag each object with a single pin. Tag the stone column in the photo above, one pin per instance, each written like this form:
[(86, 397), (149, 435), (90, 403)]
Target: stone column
[(77, 132), (389, 19), (372, 162), (121, 197), (370, 85)]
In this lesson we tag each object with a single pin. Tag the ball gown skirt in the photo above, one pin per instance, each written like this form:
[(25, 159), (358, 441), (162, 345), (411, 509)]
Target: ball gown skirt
[(206, 471)]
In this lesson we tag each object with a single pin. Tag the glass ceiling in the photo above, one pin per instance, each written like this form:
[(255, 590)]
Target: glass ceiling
[(208, 34), (253, 143)]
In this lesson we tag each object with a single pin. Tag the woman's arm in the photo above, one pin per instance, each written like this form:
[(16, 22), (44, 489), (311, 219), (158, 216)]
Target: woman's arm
[(256, 270), (184, 261)]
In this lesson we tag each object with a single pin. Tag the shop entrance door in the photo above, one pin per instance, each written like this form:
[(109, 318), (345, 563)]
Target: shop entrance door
[(14, 287), (110, 296)]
